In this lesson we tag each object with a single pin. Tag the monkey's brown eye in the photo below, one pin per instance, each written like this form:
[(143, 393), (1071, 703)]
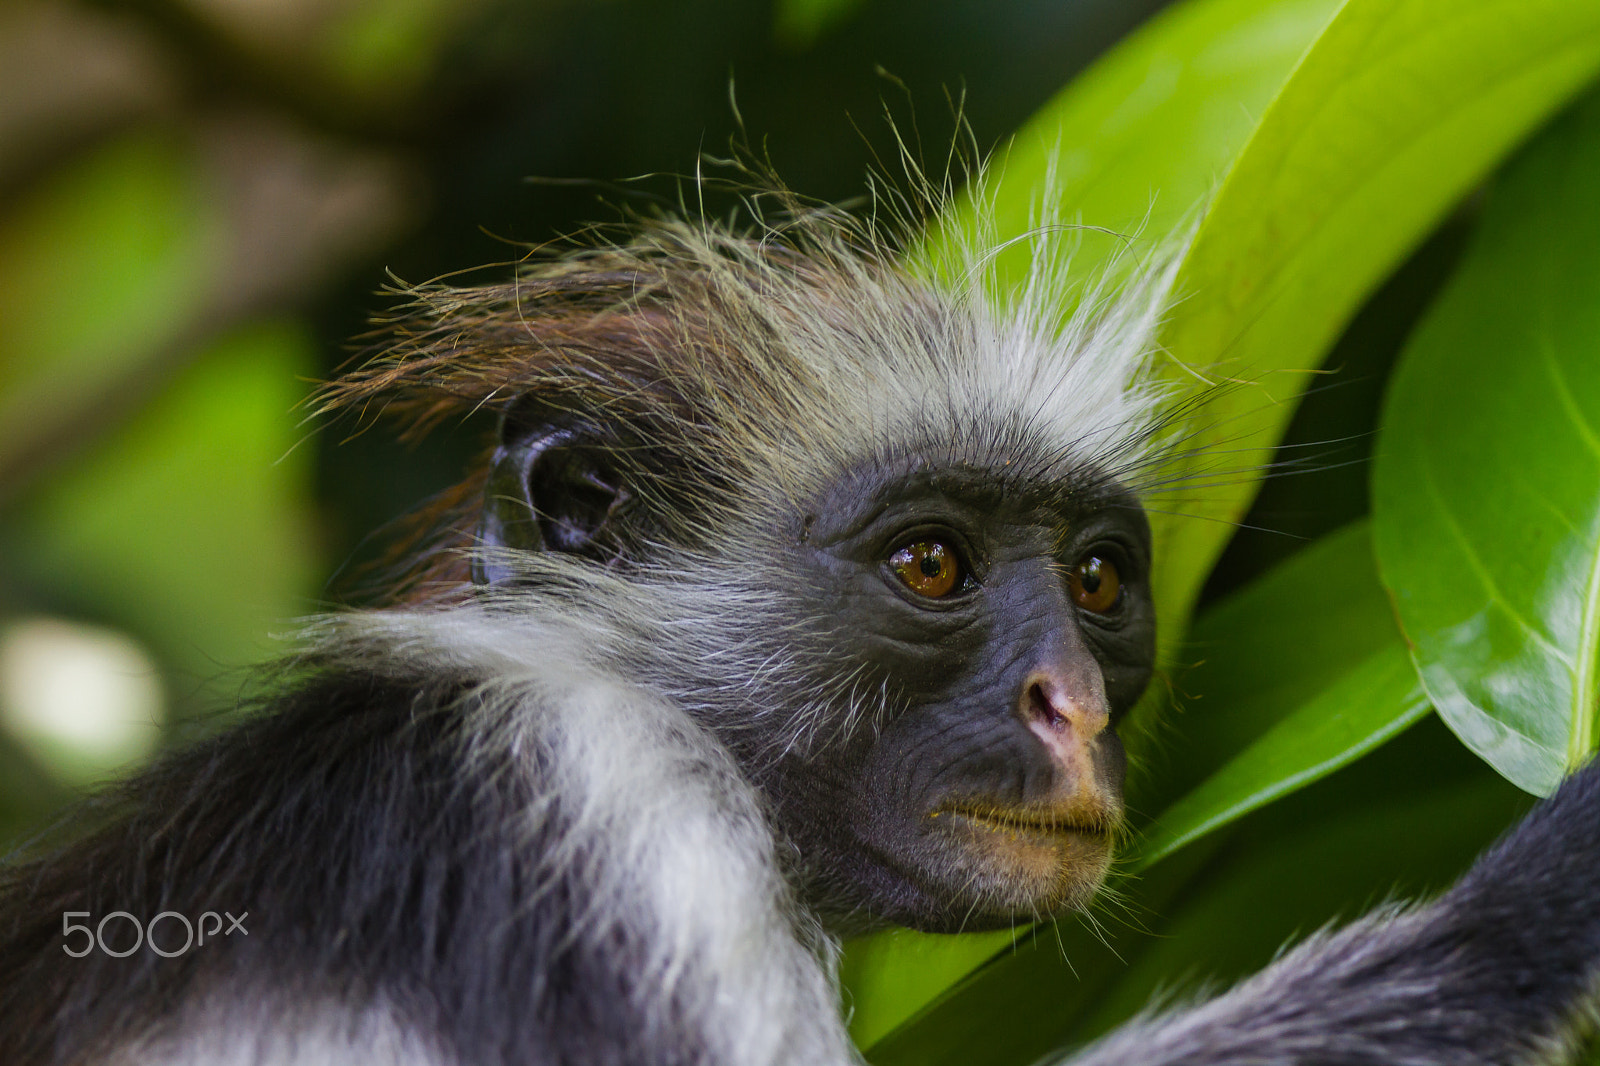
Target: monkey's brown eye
[(1095, 584), (929, 568)]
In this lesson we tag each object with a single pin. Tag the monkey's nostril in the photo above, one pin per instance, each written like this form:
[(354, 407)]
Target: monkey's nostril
[(1043, 711)]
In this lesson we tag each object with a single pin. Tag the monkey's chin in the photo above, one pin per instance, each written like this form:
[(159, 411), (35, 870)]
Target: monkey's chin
[(1012, 866)]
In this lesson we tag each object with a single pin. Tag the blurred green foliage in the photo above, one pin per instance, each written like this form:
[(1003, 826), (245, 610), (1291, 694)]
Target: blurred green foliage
[(156, 336), (190, 525), (99, 267)]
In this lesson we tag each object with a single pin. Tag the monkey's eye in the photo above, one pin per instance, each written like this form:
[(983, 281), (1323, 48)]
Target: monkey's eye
[(929, 568), (1095, 584)]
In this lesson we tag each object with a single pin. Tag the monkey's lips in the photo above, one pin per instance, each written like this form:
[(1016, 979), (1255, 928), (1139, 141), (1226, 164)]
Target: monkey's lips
[(1000, 820), (1025, 825), (1032, 860)]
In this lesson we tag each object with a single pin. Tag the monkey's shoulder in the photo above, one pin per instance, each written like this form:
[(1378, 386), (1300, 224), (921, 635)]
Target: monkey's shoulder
[(359, 836)]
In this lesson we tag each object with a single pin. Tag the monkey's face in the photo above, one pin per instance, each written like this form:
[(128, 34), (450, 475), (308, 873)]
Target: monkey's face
[(1007, 628), (928, 666), (939, 654)]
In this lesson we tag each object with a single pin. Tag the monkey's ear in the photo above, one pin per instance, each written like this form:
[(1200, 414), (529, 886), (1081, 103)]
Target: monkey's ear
[(554, 485)]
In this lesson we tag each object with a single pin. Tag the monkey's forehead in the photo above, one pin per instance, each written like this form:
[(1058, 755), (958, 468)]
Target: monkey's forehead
[(1024, 417), (821, 384), (1014, 479), (1028, 490)]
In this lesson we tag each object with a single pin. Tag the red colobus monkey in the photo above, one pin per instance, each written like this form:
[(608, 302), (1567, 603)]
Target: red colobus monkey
[(802, 595)]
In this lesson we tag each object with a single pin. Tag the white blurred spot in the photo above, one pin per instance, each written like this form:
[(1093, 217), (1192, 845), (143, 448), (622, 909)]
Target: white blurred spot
[(86, 700)]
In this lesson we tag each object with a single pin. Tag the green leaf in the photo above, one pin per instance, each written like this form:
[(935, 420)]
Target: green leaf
[(1407, 820), (1137, 142), (1265, 650), (1487, 485), (1398, 109), (1302, 672), (889, 976), (1373, 703)]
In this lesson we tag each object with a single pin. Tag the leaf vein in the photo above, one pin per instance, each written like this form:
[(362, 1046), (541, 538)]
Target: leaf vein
[(1481, 570)]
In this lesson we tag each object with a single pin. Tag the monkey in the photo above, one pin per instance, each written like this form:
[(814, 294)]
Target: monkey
[(801, 593)]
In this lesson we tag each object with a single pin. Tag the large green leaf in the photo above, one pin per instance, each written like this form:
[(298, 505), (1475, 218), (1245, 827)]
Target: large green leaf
[(1370, 705), (1487, 486), (1304, 673), (1405, 821), (1138, 141), (1396, 111), (1263, 651)]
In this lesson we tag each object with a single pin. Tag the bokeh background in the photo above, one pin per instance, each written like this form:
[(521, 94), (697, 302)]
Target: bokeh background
[(201, 202)]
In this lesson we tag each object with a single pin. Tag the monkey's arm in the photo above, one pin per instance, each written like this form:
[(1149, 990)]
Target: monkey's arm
[(1493, 971)]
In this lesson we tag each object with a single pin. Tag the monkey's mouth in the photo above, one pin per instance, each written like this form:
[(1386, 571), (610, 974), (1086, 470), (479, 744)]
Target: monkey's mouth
[(1014, 861), (1015, 822)]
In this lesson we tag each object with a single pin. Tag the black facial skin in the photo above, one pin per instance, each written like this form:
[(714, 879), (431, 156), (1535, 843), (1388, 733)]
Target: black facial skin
[(991, 789)]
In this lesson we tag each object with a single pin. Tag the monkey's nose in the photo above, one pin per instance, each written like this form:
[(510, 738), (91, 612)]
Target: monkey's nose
[(1065, 717)]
